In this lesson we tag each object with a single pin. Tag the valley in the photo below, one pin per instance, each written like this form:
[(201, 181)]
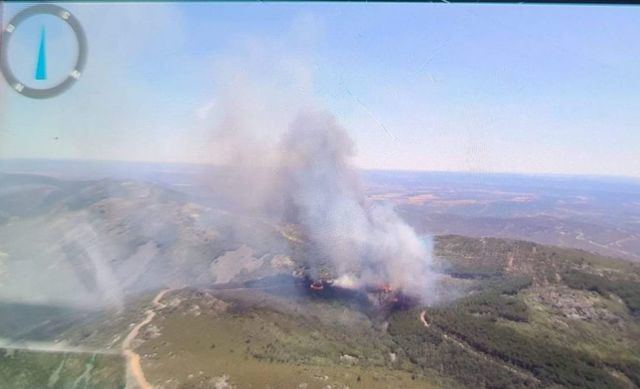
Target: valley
[(202, 298)]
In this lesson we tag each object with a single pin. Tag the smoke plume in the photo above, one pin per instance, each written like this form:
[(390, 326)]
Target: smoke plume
[(306, 178), (321, 192), (295, 163)]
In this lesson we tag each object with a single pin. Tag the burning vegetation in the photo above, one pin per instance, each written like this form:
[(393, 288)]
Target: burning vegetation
[(310, 185), (378, 298)]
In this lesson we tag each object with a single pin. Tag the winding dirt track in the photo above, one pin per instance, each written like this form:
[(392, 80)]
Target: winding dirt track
[(135, 375), (423, 318)]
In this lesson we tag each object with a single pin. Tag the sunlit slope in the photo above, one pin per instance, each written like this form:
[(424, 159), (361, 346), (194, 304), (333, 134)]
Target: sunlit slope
[(529, 316), (252, 339), (534, 316)]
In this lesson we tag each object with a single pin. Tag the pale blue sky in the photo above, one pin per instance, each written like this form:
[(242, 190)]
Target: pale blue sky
[(536, 89)]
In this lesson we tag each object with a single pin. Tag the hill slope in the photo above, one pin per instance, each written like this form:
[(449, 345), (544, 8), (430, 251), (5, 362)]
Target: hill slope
[(529, 316)]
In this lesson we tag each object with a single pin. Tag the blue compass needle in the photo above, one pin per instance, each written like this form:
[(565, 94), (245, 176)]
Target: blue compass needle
[(41, 67)]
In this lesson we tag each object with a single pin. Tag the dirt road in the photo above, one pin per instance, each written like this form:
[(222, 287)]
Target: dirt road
[(135, 375), (423, 318)]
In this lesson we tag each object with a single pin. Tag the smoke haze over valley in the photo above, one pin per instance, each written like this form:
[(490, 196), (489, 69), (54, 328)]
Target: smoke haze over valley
[(82, 241), (322, 196)]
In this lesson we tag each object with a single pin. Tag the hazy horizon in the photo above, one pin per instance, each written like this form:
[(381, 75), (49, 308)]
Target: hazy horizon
[(419, 87), (106, 162)]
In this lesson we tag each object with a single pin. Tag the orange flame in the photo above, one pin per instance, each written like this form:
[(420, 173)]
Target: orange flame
[(317, 285), (385, 288)]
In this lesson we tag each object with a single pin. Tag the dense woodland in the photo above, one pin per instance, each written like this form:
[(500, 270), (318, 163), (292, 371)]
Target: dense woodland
[(475, 340)]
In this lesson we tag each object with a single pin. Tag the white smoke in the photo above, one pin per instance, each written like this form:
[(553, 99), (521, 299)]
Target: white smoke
[(366, 243), (296, 163), (306, 178)]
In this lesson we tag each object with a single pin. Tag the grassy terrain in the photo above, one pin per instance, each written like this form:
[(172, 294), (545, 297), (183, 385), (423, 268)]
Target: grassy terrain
[(281, 344), (537, 316), (532, 316), (529, 316), (31, 369)]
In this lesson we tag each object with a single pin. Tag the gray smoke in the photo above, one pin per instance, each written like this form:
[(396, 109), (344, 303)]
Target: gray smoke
[(296, 165), (306, 178), (366, 243)]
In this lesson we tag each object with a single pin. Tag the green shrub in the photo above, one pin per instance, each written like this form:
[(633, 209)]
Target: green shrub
[(628, 291)]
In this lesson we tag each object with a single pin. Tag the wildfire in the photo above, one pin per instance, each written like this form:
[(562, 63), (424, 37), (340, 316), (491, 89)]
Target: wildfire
[(319, 284), (385, 288), (316, 285), (380, 295)]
